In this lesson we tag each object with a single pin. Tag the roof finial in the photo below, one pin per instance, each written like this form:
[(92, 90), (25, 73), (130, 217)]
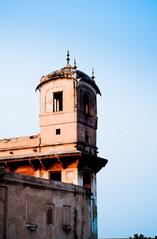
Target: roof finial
[(93, 76), (75, 66), (68, 57)]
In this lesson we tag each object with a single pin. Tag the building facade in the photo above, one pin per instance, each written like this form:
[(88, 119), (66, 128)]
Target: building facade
[(32, 208), (65, 149)]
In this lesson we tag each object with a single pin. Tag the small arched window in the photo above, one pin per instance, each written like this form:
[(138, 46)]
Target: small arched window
[(57, 101), (86, 103)]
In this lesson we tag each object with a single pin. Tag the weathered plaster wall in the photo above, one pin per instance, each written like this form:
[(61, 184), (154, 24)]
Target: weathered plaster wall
[(33, 208), (64, 120)]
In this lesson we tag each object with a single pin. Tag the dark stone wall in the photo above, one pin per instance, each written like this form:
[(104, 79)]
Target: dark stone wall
[(32, 208)]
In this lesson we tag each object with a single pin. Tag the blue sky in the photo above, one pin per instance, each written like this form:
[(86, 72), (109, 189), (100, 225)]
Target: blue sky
[(118, 38)]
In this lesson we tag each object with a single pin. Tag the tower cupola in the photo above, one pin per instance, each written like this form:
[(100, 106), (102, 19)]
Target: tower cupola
[(68, 109)]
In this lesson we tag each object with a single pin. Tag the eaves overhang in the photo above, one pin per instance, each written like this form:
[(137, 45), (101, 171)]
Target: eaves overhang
[(84, 160)]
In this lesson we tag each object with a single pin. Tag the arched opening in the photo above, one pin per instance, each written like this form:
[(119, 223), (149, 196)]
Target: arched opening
[(86, 103)]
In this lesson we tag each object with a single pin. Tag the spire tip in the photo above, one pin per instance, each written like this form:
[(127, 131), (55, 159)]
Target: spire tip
[(75, 66), (68, 57), (93, 75)]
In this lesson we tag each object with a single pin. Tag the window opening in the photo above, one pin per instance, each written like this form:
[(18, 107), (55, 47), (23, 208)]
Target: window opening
[(87, 139), (58, 131), (86, 103), (66, 215), (57, 101), (56, 176), (87, 179), (50, 216)]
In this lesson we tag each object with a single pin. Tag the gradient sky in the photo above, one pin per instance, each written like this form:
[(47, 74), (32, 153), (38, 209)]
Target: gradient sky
[(118, 38)]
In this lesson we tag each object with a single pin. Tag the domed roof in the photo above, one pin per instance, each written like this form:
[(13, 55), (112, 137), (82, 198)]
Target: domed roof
[(69, 72)]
